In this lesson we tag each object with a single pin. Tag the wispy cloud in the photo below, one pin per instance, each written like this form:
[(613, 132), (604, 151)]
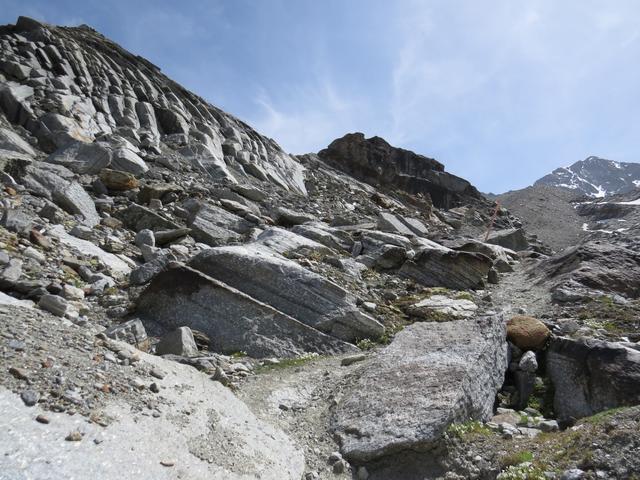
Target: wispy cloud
[(313, 115)]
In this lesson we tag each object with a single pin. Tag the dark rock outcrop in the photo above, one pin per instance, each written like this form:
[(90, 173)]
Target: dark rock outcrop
[(448, 268), (590, 376), (612, 267), (376, 162)]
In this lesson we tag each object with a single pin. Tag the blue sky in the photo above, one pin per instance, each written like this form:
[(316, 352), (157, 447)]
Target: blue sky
[(501, 92)]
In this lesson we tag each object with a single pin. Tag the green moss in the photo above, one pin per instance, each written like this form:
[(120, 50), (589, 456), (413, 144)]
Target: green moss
[(542, 398), (239, 354), (603, 416), (464, 296), (516, 458), (366, 344), (460, 430), (288, 363), (389, 333)]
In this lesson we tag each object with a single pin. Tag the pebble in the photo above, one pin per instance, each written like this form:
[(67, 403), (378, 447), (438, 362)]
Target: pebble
[(363, 473), (340, 466), (16, 345), (167, 463), (42, 419), (19, 373), (369, 306), (548, 426), (346, 361), (528, 362), (74, 437), (34, 254), (30, 397), (53, 304), (157, 373), (154, 387), (572, 474)]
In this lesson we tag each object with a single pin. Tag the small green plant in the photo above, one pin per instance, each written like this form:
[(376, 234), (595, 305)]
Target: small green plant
[(239, 354), (288, 363), (603, 416), (535, 403), (389, 333), (464, 296), (516, 458), (459, 430), (437, 291), (523, 471), (365, 344)]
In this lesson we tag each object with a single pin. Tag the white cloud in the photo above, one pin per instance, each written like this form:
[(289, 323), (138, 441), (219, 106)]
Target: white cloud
[(312, 117)]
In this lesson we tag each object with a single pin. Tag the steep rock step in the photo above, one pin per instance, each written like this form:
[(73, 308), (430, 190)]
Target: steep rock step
[(437, 267), (290, 288), (234, 321), (431, 375)]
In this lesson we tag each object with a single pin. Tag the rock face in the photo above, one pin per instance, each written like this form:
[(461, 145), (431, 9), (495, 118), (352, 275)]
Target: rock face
[(234, 321), (595, 177), (376, 162), (448, 268), (513, 239), (590, 376), (55, 183), (606, 266), (106, 92), (290, 288), (432, 374)]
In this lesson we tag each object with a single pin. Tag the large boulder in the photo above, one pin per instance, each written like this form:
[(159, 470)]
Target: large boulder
[(527, 333), (137, 218), (81, 157), (11, 141), (434, 267), (431, 375), (592, 375), (502, 257), (326, 235), (234, 321), (128, 161), (390, 222), (286, 242), (116, 266), (56, 183), (290, 288), (512, 238), (440, 308), (215, 226)]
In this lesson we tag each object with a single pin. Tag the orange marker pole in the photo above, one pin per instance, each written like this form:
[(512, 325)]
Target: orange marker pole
[(493, 219)]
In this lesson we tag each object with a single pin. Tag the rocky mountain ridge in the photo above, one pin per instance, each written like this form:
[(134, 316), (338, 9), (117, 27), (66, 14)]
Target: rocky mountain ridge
[(595, 177), (182, 299)]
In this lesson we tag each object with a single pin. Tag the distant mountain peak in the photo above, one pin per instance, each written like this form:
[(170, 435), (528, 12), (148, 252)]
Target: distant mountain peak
[(595, 177)]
